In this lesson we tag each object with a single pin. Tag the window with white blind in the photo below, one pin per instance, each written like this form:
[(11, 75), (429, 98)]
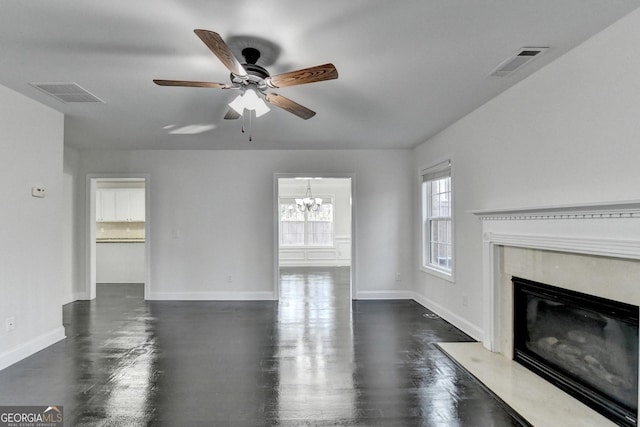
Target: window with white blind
[(306, 228), (437, 224)]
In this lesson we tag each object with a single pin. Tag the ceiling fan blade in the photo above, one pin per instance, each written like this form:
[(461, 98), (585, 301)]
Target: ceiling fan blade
[(187, 83), (222, 51), (231, 114), (304, 76), (289, 105)]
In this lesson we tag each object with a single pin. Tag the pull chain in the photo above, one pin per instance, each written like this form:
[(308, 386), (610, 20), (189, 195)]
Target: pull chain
[(244, 130)]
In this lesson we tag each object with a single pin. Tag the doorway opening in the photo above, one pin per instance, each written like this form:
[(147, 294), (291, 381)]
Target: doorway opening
[(314, 238), (117, 233)]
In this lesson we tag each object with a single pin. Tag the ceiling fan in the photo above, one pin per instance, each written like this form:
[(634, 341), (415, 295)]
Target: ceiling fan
[(251, 77)]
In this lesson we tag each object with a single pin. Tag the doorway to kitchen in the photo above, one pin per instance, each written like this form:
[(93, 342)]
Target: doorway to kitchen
[(314, 235), (117, 235)]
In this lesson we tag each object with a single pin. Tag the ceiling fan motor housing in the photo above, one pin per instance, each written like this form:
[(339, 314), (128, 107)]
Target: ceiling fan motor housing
[(256, 70), (256, 73)]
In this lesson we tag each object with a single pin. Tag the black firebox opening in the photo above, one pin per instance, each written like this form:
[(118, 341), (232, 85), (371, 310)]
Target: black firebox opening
[(585, 345)]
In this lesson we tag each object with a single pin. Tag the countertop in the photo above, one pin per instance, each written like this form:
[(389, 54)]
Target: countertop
[(119, 240)]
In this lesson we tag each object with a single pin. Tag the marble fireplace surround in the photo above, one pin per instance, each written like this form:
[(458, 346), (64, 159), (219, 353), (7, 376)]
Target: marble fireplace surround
[(594, 249)]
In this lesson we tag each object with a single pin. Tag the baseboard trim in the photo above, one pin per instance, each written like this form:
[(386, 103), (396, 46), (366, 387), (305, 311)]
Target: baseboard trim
[(468, 328), (30, 347), (384, 295), (80, 296), (66, 299), (211, 296)]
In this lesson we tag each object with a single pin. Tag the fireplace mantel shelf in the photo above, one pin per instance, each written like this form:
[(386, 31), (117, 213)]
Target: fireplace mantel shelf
[(611, 210)]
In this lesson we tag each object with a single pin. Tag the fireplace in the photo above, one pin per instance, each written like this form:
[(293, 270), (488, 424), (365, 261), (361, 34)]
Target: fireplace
[(585, 345), (589, 248)]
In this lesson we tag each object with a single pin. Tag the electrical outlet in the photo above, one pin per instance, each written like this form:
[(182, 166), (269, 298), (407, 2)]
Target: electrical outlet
[(39, 192), (10, 323), (398, 277), (465, 301), (229, 278)]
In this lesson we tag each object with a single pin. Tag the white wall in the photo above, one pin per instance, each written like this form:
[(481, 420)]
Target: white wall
[(31, 270), (339, 253), (568, 134), (212, 215)]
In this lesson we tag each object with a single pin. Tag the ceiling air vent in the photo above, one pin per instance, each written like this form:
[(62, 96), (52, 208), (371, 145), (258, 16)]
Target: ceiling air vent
[(67, 92), (518, 60)]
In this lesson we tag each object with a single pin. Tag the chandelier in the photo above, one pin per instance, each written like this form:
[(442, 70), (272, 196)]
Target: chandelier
[(309, 203)]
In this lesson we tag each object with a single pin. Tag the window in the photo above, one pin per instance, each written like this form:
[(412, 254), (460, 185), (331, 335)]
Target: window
[(306, 228), (437, 236), (291, 224)]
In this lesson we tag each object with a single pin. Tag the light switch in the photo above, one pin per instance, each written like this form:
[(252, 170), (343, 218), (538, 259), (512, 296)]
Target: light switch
[(38, 192)]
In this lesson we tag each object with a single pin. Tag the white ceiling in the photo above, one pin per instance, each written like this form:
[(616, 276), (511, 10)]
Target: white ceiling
[(407, 68)]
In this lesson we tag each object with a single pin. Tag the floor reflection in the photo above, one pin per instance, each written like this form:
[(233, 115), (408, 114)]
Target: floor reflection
[(314, 358), (113, 347), (315, 346)]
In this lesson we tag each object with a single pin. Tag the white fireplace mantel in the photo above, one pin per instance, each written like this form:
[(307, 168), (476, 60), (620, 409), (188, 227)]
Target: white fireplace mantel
[(606, 210), (600, 229), (581, 245)]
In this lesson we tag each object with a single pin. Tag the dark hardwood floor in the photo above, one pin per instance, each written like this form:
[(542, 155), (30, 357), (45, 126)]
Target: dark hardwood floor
[(312, 359)]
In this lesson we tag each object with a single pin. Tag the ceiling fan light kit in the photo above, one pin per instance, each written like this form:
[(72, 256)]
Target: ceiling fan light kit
[(249, 100), (254, 81)]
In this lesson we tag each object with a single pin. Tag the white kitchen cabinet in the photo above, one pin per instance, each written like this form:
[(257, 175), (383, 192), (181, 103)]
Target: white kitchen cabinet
[(120, 205), (137, 205), (106, 205)]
